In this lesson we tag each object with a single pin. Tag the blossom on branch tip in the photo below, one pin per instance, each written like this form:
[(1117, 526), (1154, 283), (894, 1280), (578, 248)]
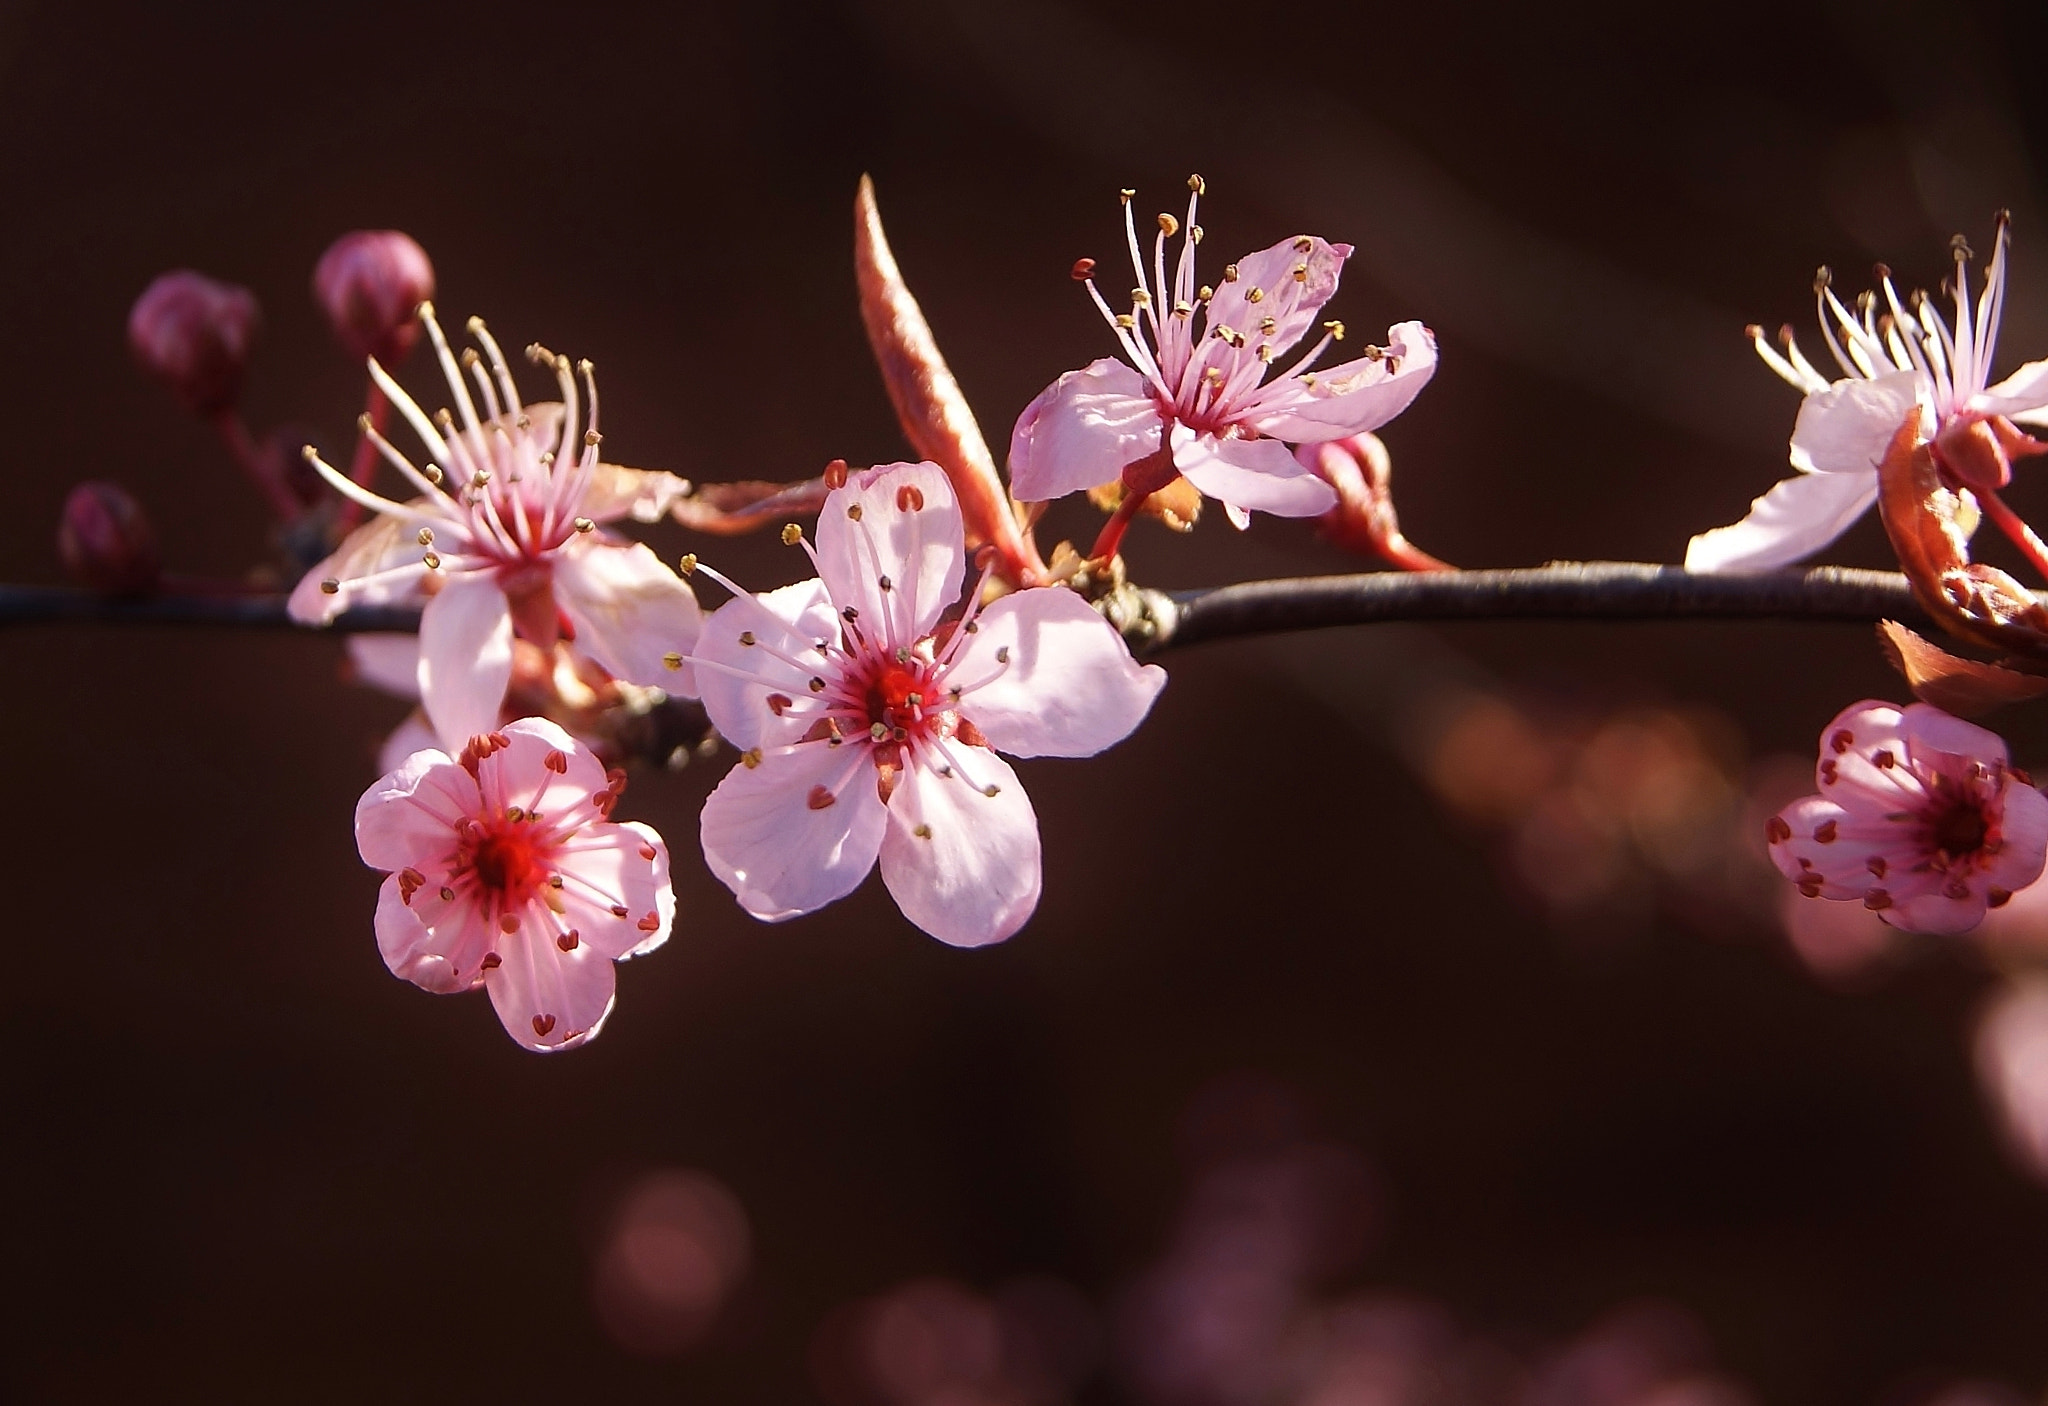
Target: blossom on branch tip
[(506, 539), (1894, 354), (505, 870), (1920, 817), (870, 717), (1196, 384)]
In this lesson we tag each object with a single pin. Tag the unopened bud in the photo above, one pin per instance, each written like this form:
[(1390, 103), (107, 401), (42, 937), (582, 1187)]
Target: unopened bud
[(370, 284), (106, 543), (193, 333)]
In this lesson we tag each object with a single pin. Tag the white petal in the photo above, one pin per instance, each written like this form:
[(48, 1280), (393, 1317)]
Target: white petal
[(899, 523), (549, 999), (2023, 396), (629, 611), (387, 662), (1798, 517), (1069, 687), (378, 547), (963, 865), (1847, 427), (790, 621), (780, 854), (1082, 430), (465, 658), (1251, 473), (407, 818)]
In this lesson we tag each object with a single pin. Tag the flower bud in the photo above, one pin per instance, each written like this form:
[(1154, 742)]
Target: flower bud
[(369, 283), (193, 333), (106, 543)]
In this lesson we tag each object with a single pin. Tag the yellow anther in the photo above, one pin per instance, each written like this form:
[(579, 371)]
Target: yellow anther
[(687, 563), (1230, 273), (1302, 244), (1335, 328), (1198, 185), (1140, 298), (1168, 225), (330, 587), (1124, 196), (432, 560), (1126, 321), (671, 661), (426, 538), (1301, 273), (584, 524), (1195, 233), (1257, 295), (791, 534), (751, 758)]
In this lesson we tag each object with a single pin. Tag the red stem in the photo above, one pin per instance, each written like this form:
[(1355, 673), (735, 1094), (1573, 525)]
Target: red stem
[(241, 445), (2014, 527), (1112, 536), (363, 467)]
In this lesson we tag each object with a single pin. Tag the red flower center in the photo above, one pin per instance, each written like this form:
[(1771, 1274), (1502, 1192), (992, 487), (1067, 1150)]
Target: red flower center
[(505, 856), (898, 696), (1960, 829)]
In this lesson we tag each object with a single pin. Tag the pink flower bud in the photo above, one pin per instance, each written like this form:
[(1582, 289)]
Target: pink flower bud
[(193, 333), (106, 542), (369, 283)]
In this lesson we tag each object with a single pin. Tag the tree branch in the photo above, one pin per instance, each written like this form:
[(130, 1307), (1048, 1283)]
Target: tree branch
[(1158, 620)]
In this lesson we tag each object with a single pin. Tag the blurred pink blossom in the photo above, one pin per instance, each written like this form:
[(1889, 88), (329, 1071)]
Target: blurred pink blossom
[(194, 334), (1920, 816), (506, 539), (2012, 1063), (676, 1248), (369, 283), (1195, 385), (871, 725), (1892, 358), (507, 872)]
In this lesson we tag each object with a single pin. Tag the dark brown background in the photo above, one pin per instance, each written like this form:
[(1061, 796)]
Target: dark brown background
[(244, 1164)]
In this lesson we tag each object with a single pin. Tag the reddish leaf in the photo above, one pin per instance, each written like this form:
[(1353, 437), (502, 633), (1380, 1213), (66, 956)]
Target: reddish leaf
[(1965, 687)]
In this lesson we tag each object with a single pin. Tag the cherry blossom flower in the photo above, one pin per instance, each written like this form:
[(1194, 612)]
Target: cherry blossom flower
[(870, 722), (1196, 384), (507, 539), (1921, 817), (1892, 356), (506, 871)]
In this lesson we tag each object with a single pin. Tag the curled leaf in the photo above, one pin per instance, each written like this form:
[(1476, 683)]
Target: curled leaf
[(928, 402), (1967, 688), (730, 509), (1928, 523)]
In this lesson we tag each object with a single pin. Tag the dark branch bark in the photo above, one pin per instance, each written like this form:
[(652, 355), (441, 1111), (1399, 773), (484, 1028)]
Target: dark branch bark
[(1158, 620)]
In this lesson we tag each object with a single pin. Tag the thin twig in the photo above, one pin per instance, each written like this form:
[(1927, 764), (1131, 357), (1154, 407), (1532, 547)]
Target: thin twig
[(1599, 590)]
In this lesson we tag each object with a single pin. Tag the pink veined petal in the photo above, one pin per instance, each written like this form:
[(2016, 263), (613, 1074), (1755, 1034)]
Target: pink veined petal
[(1937, 914), (407, 819), (519, 774), (1070, 687), (1082, 430), (1250, 473), (465, 658), (387, 662), (378, 546), (1846, 428), (899, 523), (1291, 302), (779, 853), (629, 610), (2022, 396), (611, 865), (549, 999), (962, 865), (415, 734), (1796, 518), (1926, 728), (789, 622), (664, 890), (2025, 833), (1353, 398), (443, 958)]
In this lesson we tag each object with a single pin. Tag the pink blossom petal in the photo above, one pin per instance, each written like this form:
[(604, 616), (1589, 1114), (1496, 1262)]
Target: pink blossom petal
[(1796, 518), (1250, 473), (529, 745), (1291, 301), (2022, 396), (444, 958), (629, 610), (779, 851), (549, 999), (2024, 830), (616, 894), (785, 624), (390, 663), (1069, 687), (897, 523), (465, 658), (1846, 428), (615, 492), (1082, 430), (1926, 730), (1353, 398), (415, 734), (375, 548), (1936, 913), (962, 865), (409, 815)]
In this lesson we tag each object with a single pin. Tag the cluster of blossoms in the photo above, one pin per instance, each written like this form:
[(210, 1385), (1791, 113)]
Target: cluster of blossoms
[(873, 704)]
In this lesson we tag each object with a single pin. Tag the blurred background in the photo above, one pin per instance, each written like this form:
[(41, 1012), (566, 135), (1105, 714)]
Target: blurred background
[(1408, 1018)]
